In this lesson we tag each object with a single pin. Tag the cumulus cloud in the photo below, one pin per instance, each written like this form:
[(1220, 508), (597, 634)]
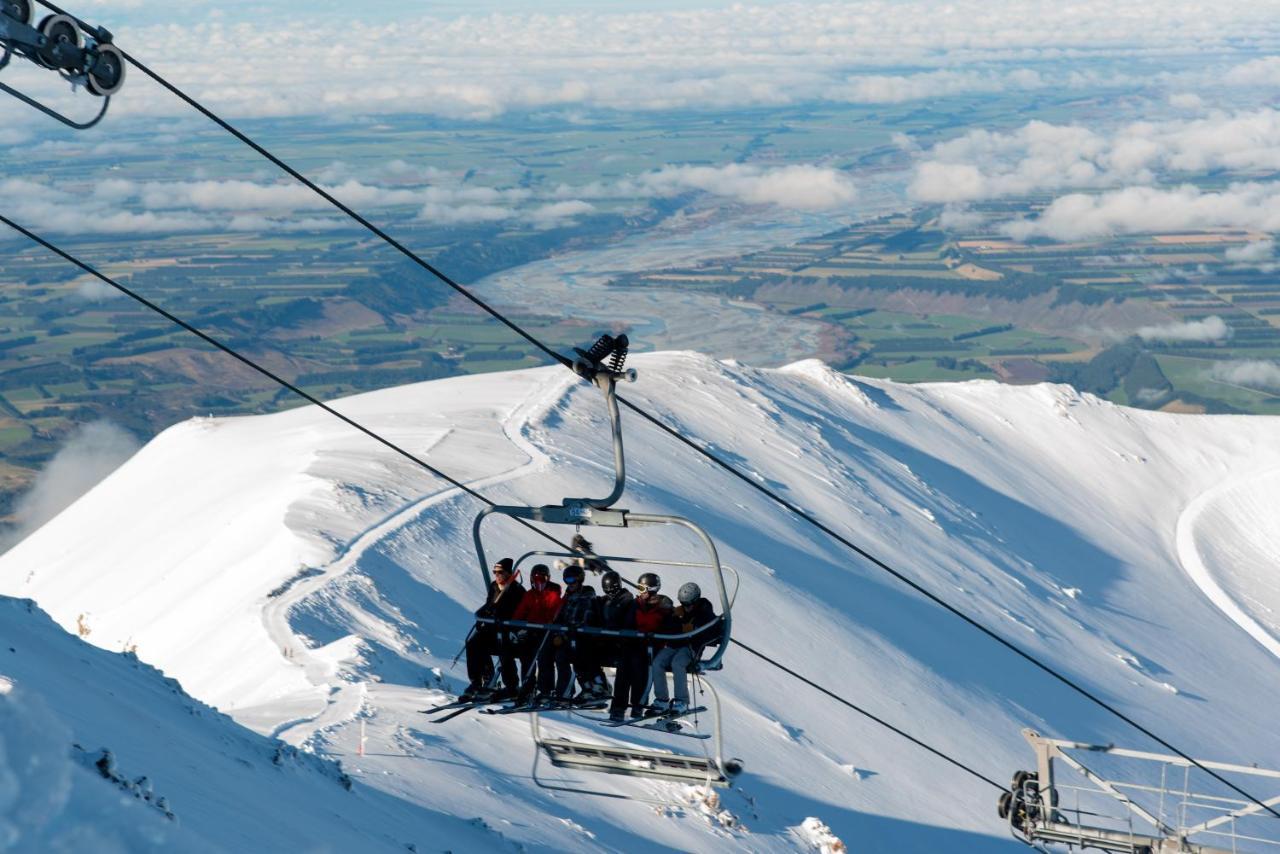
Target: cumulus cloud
[(1209, 329), (95, 290), (1142, 210), (1257, 373), (1254, 250), (88, 456), (1264, 71), (1043, 156), (960, 218), (116, 205), (556, 214), (897, 88), (733, 55), (1186, 101), (806, 188)]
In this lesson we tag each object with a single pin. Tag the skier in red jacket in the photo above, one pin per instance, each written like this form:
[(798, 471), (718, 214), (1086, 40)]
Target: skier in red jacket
[(540, 604), (651, 613)]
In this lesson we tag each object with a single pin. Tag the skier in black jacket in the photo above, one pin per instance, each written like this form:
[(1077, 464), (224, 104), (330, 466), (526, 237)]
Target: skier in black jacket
[(577, 610), (630, 657), (487, 640)]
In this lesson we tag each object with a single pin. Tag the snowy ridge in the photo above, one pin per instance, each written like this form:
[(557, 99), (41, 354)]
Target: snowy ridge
[(99, 752), (1051, 516)]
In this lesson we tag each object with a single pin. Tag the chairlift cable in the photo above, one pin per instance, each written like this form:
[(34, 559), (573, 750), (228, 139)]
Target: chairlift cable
[(328, 197), (516, 328), (866, 714), (88, 268), (276, 378)]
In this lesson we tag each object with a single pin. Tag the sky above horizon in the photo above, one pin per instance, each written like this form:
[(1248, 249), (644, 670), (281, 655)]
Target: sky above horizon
[(503, 56), (1183, 90)]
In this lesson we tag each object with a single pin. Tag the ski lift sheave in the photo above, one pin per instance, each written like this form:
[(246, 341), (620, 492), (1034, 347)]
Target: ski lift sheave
[(603, 366), (82, 54)]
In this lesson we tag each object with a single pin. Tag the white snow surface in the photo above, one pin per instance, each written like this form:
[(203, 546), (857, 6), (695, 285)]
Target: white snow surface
[(303, 579)]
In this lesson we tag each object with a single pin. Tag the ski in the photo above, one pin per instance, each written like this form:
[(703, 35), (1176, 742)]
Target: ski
[(510, 710), (675, 731), (657, 716), (555, 707), (457, 712), (446, 707), (460, 710)]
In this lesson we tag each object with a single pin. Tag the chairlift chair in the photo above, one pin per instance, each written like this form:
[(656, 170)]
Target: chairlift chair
[(602, 366)]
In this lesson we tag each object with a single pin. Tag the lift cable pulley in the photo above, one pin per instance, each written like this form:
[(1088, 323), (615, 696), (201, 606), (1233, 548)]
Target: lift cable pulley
[(1135, 802), (81, 54)]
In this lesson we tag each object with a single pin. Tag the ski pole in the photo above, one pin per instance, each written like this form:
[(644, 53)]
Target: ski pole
[(546, 633), (463, 649)]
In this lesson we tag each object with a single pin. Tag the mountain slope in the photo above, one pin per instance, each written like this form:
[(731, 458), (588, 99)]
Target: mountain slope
[(300, 577), (179, 776)]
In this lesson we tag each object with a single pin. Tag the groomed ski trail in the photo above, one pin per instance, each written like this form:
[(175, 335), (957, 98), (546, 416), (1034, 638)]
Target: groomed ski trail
[(345, 700), (1199, 569)]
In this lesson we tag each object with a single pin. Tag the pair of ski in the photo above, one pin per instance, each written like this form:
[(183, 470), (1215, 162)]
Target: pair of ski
[(461, 707), (458, 707), (665, 722), (559, 706)]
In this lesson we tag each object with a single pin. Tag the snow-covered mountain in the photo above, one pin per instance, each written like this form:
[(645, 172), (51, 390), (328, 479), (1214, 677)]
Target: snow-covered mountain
[(308, 582)]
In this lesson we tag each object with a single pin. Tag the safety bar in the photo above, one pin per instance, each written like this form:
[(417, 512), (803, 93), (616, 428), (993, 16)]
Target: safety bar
[(643, 561), (560, 629)]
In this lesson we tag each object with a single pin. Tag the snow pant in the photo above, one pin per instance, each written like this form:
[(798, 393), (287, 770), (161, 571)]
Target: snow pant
[(555, 670), (483, 646), (677, 660), (529, 668), (589, 655), (567, 657), (631, 682)]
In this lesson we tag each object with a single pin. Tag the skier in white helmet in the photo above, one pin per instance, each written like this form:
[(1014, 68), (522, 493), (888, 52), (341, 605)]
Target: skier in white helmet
[(693, 612)]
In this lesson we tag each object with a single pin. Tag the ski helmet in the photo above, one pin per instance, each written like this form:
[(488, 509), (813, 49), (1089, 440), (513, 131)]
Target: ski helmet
[(610, 582), (504, 565), (540, 571), (573, 573), (689, 593), (650, 582)]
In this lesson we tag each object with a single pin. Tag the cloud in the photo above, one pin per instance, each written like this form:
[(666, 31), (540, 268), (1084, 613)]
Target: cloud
[(559, 213), (125, 206), (89, 455), (897, 88), (1264, 71), (1042, 156), (1186, 101), (1250, 372), (960, 218), (1149, 396), (255, 62), (95, 290), (805, 188), (1209, 329), (1254, 250), (1143, 210)]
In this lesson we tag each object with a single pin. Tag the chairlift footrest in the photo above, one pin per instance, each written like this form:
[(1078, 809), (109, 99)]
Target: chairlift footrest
[(633, 762)]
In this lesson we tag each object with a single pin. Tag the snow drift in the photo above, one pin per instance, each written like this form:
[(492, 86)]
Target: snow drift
[(301, 578)]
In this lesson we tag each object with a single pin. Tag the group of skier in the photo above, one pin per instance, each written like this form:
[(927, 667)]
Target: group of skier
[(549, 661)]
